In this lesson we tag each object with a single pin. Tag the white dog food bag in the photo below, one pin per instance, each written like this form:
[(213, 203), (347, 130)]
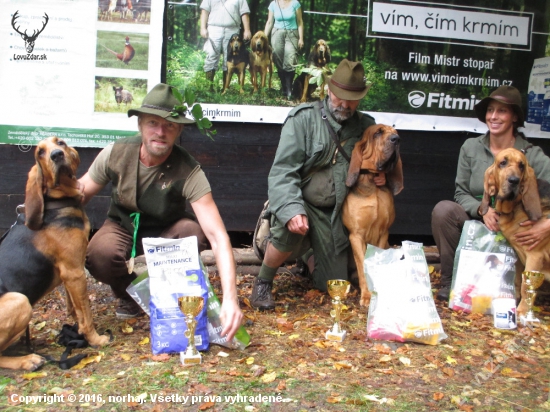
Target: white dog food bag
[(401, 308), (174, 271)]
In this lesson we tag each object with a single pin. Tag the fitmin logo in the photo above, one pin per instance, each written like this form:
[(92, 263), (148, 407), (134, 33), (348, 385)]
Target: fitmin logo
[(441, 100), (29, 39)]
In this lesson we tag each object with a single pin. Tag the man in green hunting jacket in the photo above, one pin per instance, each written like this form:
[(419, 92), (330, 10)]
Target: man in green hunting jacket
[(307, 184), (154, 177)]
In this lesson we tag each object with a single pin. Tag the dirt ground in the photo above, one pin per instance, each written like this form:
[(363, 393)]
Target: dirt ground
[(289, 366)]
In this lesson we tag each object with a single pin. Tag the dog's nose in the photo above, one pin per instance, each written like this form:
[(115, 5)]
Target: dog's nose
[(57, 155), (394, 138), (513, 180)]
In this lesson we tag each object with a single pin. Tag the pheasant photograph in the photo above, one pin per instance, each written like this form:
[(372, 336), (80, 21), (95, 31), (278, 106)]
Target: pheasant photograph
[(127, 54), (110, 54)]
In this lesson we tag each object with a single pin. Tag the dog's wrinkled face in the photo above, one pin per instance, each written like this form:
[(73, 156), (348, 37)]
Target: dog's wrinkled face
[(383, 141), (323, 52), (509, 169), (56, 160), (235, 44), (377, 152), (259, 42)]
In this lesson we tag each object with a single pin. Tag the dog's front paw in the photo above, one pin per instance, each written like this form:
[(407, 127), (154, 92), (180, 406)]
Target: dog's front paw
[(32, 362), (99, 340), (365, 298)]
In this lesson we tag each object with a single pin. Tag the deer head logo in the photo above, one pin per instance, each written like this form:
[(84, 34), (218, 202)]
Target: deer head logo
[(29, 40)]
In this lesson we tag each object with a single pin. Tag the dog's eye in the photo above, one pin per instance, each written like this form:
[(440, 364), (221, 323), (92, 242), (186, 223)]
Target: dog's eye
[(503, 163), (61, 143), (41, 152), (521, 167)]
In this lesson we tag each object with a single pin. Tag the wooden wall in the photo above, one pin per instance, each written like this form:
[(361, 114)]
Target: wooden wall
[(237, 164)]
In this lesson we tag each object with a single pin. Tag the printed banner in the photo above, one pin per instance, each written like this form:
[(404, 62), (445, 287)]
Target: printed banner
[(75, 68), (429, 62)]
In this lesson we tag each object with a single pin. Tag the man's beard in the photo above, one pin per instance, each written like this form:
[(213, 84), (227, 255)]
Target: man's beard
[(339, 113)]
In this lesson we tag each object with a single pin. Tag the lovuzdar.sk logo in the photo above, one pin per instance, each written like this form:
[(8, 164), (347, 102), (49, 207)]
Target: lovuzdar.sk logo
[(28, 38)]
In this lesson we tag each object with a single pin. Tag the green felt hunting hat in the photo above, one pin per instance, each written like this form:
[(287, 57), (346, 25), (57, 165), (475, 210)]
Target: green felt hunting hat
[(348, 81), (161, 101), (504, 94)]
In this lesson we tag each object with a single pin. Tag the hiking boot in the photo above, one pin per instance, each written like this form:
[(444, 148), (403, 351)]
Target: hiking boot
[(261, 297), (127, 309), (443, 293)]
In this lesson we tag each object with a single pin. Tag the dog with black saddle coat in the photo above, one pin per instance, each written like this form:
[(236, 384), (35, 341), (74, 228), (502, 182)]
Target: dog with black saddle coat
[(45, 248)]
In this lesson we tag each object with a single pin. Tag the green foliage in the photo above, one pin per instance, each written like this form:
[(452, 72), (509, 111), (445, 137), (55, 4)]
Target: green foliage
[(187, 103)]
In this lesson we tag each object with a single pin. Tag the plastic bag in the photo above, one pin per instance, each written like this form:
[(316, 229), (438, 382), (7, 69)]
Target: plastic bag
[(401, 307), (174, 271), (483, 270), (139, 291)]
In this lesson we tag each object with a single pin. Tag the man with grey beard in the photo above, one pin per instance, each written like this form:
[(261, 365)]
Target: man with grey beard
[(307, 184)]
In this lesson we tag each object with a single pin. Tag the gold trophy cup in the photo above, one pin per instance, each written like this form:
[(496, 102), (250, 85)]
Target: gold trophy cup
[(190, 306), (533, 280), (337, 289)]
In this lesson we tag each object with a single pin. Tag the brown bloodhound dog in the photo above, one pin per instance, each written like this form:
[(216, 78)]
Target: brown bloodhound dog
[(46, 247), (518, 196), (237, 60), (368, 210), (261, 60), (318, 58)]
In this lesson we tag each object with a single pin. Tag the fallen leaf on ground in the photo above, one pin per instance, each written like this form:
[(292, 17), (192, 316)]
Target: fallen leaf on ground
[(405, 361), (342, 365), (513, 374), (96, 357), (438, 396), (34, 375), (163, 357), (144, 341), (269, 377), (206, 405), (385, 358)]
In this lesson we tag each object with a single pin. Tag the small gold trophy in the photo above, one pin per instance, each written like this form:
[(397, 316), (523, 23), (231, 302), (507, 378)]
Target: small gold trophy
[(533, 280), (337, 289), (191, 306)]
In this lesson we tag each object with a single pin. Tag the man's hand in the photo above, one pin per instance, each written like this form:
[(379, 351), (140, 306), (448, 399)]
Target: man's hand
[(230, 317), (537, 231), (491, 220), (298, 224), (380, 179)]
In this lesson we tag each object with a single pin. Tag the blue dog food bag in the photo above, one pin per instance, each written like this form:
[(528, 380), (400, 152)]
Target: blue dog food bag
[(174, 271)]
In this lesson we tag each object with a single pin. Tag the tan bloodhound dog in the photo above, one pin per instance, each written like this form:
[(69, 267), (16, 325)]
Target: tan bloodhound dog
[(368, 210), (261, 61), (319, 57), (511, 185), (46, 247)]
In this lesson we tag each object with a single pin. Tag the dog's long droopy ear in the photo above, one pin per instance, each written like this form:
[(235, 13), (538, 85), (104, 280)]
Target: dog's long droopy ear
[(395, 178), (489, 189), (355, 164), (34, 199), (530, 195)]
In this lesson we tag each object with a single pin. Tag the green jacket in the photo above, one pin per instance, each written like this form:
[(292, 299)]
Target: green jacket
[(162, 202), (475, 157), (305, 147)]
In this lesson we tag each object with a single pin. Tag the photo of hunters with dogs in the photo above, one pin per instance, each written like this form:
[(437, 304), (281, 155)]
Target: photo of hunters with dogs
[(275, 205), (409, 58)]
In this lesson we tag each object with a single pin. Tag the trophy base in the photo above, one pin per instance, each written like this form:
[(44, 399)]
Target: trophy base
[(189, 360), (527, 320), (334, 336)]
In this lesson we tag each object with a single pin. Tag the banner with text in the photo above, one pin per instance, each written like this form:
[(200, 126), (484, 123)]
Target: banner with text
[(429, 62), (73, 69)]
